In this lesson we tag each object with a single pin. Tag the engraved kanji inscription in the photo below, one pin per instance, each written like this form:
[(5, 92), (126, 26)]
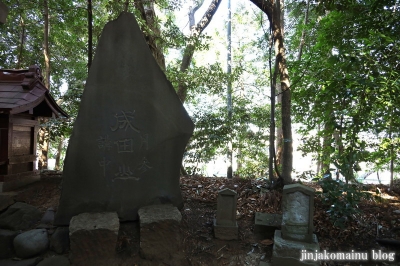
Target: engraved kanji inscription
[(124, 145), (104, 143), (124, 121), (124, 172), (144, 166), (104, 164)]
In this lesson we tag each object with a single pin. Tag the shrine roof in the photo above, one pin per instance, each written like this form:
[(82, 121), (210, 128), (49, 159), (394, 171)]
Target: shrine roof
[(23, 91)]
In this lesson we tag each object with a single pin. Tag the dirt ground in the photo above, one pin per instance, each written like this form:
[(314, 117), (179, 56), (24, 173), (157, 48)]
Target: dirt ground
[(378, 219)]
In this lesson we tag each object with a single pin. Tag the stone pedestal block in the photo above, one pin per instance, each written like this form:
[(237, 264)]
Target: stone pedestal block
[(288, 252), (266, 223), (160, 236), (93, 238), (226, 232)]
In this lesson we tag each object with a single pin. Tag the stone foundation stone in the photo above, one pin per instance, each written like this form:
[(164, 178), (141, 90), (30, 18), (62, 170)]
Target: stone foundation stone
[(288, 252), (93, 238), (19, 216), (160, 236)]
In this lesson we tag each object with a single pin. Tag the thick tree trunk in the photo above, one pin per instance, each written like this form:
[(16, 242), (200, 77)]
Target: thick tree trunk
[(21, 43), (274, 14), (43, 135), (90, 33), (147, 12), (59, 151), (287, 149), (279, 132)]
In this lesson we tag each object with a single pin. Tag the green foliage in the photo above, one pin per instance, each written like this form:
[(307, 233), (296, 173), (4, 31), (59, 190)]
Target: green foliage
[(341, 200), (347, 81)]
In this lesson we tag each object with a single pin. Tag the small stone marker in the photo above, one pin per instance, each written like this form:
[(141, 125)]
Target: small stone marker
[(93, 238), (225, 224), (297, 227), (160, 236), (130, 134), (298, 212)]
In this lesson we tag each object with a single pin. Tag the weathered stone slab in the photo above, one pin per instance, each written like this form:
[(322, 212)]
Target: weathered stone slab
[(225, 224), (31, 243), (19, 216), (129, 137), (160, 236), (298, 212), (265, 224), (93, 238), (288, 252)]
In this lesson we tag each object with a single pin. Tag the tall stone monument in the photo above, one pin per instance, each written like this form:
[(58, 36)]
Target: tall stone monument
[(129, 137)]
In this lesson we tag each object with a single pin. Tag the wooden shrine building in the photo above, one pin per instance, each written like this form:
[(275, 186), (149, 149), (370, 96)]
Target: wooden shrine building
[(23, 98)]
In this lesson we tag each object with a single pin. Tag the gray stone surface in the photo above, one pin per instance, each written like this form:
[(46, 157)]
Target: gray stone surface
[(225, 225), (27, 262), (31, 243), (297, 212), (6, 243), (93, 238), (132, 127), (59, 240), (225, 232), (55, 261), (160, 236), (288, 252), (7, 199), (19, 216), (48, 217), (265, 224)]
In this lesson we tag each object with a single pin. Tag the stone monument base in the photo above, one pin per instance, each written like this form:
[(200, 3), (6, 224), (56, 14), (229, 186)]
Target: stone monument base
[(160, 236), (226, 232), (93, 239), (288, 252), (265, 224)]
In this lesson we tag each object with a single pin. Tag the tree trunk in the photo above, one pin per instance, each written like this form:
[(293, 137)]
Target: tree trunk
[(287, 150), (229, 89), (21, 44), (43, 139), (90, 33), (189, 50), (147, 12), (59, 151), (274, 14), (279, 132)]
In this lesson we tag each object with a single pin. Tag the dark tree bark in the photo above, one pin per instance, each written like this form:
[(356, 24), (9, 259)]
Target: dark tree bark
[(22, 43), (273, 11), (43, 139), (90, 33), (148, 14), (58, 156)]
